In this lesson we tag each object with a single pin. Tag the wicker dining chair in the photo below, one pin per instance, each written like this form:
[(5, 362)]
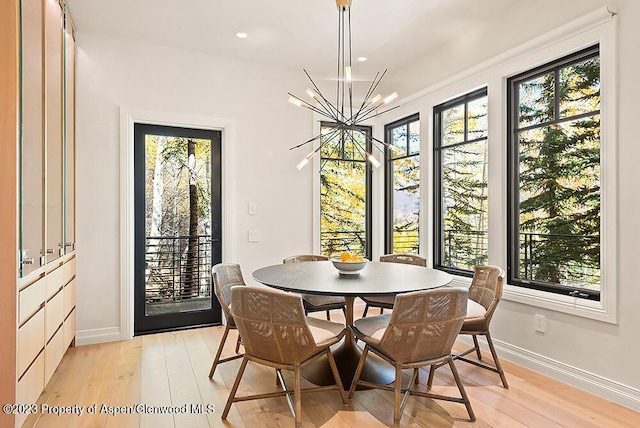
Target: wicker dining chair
[(420, 331), (276, 333), (316, 302), (386, 302), (225, 276), (484, 294)]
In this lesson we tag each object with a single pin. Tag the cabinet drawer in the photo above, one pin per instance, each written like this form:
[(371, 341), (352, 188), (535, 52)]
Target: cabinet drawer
[(55, 280), (69, 297), (69, 329), (71, 267), (54, 314), (30, 386), (53, 354), (30, 340), (32, 298)]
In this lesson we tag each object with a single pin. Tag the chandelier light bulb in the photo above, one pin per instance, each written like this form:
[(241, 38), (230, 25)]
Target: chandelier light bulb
[(347, 73), (375, 99), (373, 160), (295, 101), (302, 163), (312, 94), (306, 159), (391, 98)]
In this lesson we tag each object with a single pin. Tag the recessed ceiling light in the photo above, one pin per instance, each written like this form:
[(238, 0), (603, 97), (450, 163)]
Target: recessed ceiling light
[(362, 58), (241, 35)]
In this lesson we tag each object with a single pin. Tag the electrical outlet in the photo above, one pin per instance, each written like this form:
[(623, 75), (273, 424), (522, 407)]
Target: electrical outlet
[(540, 323)]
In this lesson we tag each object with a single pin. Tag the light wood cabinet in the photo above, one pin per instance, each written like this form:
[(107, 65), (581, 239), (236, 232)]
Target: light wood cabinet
[(37, 195)]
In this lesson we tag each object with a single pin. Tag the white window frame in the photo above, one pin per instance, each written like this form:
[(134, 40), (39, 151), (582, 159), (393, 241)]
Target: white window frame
[(598, 27)]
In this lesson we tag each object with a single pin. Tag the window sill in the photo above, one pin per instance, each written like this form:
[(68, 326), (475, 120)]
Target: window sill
[(585, 308)]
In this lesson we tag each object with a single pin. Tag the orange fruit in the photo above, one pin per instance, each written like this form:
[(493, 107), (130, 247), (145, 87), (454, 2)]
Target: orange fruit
[(346, 257)]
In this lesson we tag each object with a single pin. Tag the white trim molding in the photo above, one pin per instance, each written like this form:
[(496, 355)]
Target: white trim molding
[(98, 335), (582, 379), (128, 117)]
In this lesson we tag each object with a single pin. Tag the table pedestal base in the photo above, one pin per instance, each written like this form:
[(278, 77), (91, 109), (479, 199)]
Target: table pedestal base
[(347, 356)]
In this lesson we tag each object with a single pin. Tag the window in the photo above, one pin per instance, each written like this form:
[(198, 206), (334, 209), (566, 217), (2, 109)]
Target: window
[(345, 186), (554, 176), (402, 190), (460, 205)]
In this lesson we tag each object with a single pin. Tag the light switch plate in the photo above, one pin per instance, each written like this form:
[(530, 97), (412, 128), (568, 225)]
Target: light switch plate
[(253, 209), (253, 235)]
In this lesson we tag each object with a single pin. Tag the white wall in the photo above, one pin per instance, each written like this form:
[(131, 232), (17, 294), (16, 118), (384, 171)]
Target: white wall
[(114, 73)]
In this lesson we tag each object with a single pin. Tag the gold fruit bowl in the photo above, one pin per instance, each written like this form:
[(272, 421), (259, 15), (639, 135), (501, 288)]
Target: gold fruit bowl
[(349, 268)]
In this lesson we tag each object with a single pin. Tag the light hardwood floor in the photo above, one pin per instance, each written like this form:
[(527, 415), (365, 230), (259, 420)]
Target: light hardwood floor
[(172, 369)]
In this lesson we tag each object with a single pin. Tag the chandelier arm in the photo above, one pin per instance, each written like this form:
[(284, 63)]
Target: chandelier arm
[(374, 86), (387, 145), (310, 140), (359, 146), (338, 86), (350, 82), (313, 108), (384, 143), (322, 164), (369, 93), (378, 114), (329, 135), (326, 101)]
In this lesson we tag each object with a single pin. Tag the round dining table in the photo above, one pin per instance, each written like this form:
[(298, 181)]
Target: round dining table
[(376, 279)]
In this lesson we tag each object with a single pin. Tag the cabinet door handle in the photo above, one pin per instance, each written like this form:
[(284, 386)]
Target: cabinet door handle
[(50, 251), (28, 261)]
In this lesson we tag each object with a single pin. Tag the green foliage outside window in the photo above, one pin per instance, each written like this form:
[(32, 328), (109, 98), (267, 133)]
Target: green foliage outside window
[(461, 148), (558, 140), (343, 193)]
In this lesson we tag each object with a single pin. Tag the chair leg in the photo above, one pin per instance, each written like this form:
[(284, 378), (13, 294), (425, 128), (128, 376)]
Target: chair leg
[(496, 361), (328, 316), (463, 393), (475, 344), (296, 397), (238, 342), (381, 311), (397, 396), (366, 309), (336, 376), (432, 372), (356, 376), (217, 358), (234, 389)]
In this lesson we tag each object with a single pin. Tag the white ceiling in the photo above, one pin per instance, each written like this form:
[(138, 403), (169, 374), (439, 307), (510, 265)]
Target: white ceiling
[(295, 33)]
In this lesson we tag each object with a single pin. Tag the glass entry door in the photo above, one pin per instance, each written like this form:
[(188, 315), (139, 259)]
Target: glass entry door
[(177, 226)]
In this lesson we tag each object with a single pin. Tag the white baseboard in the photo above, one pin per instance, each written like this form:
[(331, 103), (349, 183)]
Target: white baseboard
[(98, 335), (595, 384)]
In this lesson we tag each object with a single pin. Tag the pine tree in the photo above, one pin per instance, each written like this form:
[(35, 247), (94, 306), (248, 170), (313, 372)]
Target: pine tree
[(559, 175)]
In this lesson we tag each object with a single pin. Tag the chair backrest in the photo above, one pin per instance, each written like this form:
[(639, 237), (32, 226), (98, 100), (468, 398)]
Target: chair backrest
[(424, 324), (272, 324), (225, 276), (406, 258), (305, 258), (486, 288)]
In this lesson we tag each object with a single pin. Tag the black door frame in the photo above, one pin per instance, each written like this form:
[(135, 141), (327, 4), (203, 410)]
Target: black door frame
[(174, 321)]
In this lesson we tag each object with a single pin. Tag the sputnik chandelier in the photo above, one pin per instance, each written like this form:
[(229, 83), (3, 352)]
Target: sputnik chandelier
[(342, 113)]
